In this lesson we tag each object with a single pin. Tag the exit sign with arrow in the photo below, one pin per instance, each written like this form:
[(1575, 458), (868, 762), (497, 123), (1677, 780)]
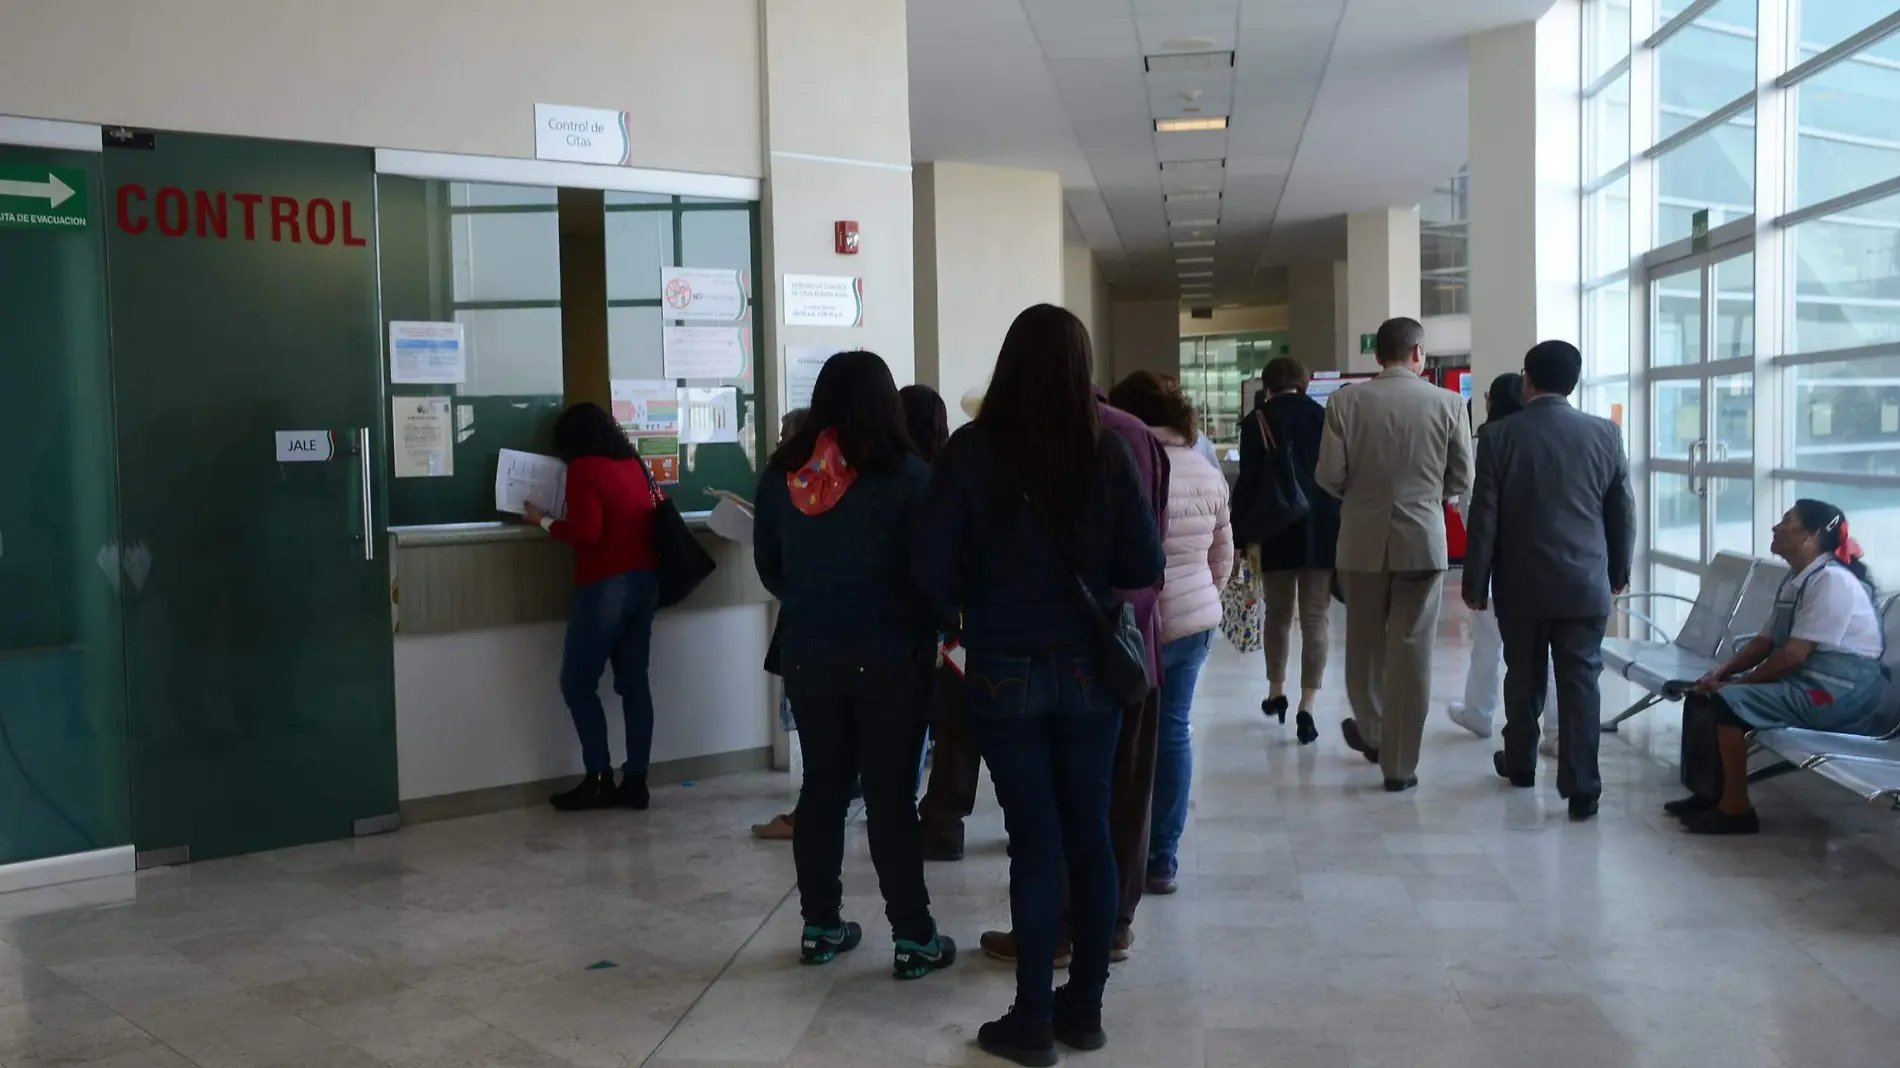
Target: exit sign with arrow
[(42, 198)]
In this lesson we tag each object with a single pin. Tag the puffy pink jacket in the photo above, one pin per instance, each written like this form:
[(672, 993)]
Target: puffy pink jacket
[(1199, 542)]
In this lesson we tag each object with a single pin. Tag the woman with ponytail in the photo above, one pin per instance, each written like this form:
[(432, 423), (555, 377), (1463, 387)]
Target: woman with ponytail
[(1817, 664)]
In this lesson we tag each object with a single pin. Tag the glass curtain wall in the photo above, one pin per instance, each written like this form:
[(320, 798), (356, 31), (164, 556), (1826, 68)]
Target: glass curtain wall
[(1741, 237), (1444, 230), (1215, 370)]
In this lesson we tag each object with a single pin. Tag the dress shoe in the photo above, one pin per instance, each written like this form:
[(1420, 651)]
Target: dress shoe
[(778, 829), (595, 791), (1399, 786), (1716, 821), (1583, 807), (1274, 708), (1522, 782), (1349, 730), (1693, 805), (1304, 728), (1163, 885), (1124, 941), (1001, 945)]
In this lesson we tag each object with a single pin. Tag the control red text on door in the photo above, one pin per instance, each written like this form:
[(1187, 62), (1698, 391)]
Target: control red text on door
[(174, 212)]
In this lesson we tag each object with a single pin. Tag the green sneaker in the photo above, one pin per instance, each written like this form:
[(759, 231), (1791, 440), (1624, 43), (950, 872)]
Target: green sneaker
[(914, 961), (821, 945)]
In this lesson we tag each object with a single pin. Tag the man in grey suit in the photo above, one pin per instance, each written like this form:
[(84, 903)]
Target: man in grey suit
[(1551, 537), (1395, 449)]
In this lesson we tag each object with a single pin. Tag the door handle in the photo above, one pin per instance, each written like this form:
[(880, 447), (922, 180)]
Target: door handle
[(368, 492), (1698, 479)]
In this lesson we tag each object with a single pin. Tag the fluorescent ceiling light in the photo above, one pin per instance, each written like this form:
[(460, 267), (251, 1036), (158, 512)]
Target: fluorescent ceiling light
[(1178, 198), (1212, 122), (1192, 166), (1193, 259), (1197, 274), (1194, 222), (1194, 244), (1188, 62)]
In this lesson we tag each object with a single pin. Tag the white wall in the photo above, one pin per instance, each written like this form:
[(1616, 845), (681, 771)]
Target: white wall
[(1147, 337), (436, 75), (995, 247), (1085, 292), (483, 708)]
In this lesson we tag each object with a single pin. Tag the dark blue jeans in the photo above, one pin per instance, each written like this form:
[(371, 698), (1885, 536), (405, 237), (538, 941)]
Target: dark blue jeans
[(1181, 663), (1048, 733), (611, 621)]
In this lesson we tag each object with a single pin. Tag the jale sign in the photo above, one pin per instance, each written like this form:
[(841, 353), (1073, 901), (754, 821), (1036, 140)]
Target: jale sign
[(173, 212)]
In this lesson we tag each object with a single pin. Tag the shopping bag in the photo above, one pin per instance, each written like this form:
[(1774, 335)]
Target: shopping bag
[(1243, 612)]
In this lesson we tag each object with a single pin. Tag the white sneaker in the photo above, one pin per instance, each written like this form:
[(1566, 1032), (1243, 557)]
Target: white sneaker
[(1476, 722), (1548, 746)]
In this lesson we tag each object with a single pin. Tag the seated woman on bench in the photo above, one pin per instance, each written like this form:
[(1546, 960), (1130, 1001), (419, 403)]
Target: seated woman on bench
[(1815, 665)]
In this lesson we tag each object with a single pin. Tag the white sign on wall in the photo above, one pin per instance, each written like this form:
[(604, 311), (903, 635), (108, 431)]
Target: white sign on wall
[(702, 293), (427, 354), (823, 300), (704, 351), (582, 135), (305, 446)]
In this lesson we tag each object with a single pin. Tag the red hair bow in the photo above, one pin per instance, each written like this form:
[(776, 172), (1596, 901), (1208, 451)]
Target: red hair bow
[(1848, 550)]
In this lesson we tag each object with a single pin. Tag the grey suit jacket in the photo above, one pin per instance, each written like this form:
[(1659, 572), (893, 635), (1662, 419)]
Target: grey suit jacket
[(1395, 449), (1552, 526)]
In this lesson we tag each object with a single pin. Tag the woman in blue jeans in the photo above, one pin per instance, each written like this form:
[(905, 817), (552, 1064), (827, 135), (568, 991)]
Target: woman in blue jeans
[(1200, 548), (609, 522), (1027, 498)]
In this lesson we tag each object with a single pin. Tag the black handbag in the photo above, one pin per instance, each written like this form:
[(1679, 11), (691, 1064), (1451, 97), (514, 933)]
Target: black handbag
[(684, 562), (1278, 499), (1121, 652)]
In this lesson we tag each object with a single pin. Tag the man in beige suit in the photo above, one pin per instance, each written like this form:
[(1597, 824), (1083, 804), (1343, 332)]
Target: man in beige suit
[(1396, 448)]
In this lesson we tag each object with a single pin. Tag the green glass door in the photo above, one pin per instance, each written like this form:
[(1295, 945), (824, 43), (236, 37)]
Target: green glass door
[(257, 614), (62, 703)]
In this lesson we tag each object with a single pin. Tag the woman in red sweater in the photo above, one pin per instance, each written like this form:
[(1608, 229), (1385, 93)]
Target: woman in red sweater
[(610, 503)]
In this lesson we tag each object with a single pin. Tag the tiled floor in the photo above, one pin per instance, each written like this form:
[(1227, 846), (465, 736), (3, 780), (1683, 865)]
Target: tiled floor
[(1322, 924)]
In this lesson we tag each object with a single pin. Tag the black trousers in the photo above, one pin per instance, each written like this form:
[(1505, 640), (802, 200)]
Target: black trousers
[(955, 769), (1574, 649), (1701, 760), (868, 720)]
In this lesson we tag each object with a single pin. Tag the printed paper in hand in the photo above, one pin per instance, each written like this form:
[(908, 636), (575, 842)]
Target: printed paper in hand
[(646, 408), (702, 293), (705, 351), (427, 354), (802, 364), (524, 476), (708, 416), (423, 427)]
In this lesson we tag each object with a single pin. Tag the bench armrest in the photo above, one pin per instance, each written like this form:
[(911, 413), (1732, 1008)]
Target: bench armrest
[(1621, 604)]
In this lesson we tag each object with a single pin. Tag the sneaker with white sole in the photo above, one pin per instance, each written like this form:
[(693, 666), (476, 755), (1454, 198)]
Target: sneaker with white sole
[(1476, 722), (1548, 746)]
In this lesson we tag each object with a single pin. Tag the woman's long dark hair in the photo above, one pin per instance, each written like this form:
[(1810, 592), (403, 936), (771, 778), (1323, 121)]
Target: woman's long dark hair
[(586, 429), (1506, 395), (927, 420), (1830, 523), (855, 396), (1040, 413)]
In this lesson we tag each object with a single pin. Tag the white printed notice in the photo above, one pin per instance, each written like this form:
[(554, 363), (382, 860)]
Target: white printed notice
[(646, 408), (802, 364), (823, 300), (524, 476), (703, 293), (427, 354), (705, 351), (709, 416), (425, 430)]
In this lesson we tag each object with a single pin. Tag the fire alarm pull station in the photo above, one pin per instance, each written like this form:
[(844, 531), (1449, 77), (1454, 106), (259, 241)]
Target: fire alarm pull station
[(847, 238)]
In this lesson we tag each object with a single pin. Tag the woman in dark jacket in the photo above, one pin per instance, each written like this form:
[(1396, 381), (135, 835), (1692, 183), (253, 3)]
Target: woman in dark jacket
[(857, 641), (1028, 497), (1294, 561)]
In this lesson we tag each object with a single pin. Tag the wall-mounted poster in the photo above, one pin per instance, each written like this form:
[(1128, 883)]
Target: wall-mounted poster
[(424, 436), (646, 408), (823, 300), (709, 416), (427, 354), (703, 293), (705, 351)]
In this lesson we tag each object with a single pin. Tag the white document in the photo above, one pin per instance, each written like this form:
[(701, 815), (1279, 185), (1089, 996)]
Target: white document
[(709, 416), (731, 521), (802, 364), (646, 408), (705, 351), (702, 293), (427, 354), (823, 300), (525, 476), (424, 429)]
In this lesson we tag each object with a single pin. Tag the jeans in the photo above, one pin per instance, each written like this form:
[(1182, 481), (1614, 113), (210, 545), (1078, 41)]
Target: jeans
[(1048, 733), (1182, 660), (861, 720), (611, 620)]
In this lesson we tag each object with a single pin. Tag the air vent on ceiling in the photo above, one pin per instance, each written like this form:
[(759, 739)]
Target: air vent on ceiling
[(1201, 243), (1188, 62), (1197, 274), (1193, 166), (1182, 198), (1194, 125), (1193, 259)]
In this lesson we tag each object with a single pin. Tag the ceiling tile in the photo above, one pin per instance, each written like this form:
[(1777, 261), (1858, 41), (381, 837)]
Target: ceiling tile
[(1156, 31), (1093, 39), (1210, 144)]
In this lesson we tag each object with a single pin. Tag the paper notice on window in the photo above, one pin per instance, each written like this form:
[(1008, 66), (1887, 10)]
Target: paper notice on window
[(427, 354), (700, 352), (646, 408), (1890, 419), (525, 476), (424, 429), (703, 293), (802, 364), (709, 416), (1821, 419)]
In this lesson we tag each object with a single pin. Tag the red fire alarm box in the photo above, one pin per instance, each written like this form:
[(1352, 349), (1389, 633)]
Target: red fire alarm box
[(847, 238)]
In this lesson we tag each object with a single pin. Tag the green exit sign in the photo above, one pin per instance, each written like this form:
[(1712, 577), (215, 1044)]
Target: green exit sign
[(1368, 343), (42, 198)]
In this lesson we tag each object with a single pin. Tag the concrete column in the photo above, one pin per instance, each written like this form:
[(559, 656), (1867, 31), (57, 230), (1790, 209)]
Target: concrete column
[(989, 244), (1382, 264), (1315, 308), (1525, 145), (1147, 337), (1085, 292), (837, 141)]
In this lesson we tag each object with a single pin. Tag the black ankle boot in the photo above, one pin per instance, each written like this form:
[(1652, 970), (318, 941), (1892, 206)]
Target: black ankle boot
[(633, 792), (1015, 1039), (1077, 1026), (596, 790)]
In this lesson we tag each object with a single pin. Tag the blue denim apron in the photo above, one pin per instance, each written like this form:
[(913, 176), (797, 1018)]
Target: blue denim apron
[(1834, 692)]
